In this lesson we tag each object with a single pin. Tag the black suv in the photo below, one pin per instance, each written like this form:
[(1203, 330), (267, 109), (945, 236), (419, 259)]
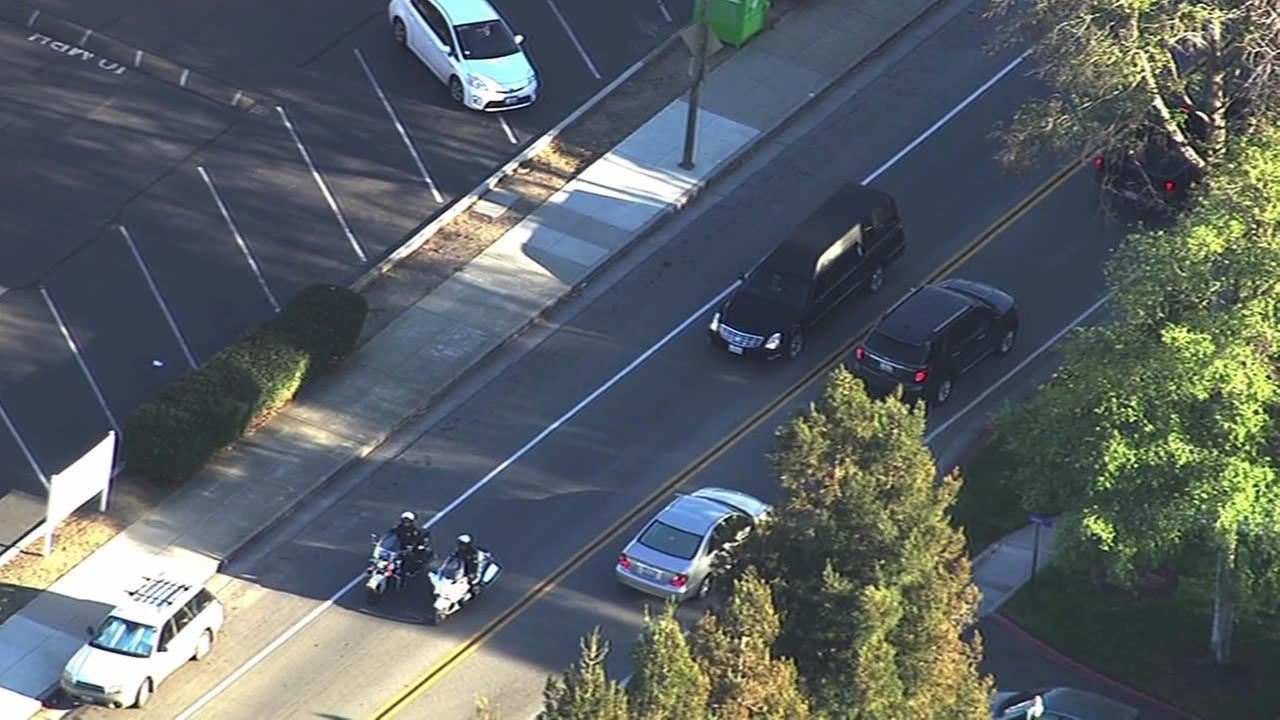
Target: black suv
[(844, 246), (934, 335)]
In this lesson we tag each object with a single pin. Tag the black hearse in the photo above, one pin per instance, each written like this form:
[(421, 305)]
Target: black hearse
[(845, 245)]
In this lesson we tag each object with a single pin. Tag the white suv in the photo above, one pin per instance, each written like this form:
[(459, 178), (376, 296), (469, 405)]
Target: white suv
[(164, 624), (468, 45)]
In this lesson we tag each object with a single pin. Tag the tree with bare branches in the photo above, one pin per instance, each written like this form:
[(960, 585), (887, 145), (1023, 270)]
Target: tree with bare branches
[(1197, 72)]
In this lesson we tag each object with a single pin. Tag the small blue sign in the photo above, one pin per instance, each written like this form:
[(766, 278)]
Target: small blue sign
[(1041, 520)]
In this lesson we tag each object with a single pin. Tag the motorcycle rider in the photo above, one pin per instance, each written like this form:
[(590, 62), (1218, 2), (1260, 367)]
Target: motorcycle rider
[(413, 541), (469, 554)]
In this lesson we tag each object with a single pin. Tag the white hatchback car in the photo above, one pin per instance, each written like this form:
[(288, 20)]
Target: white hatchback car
[(164, 624), (468, 45)]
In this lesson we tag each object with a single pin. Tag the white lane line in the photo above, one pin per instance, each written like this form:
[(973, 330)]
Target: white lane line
[(699, 314), (665, 13), (404, 134), (1018, 368), (155, 292), (324, 187), (581, 50), (507, 129), (22, 444), (84, 366), (235, 233), (947, 118)]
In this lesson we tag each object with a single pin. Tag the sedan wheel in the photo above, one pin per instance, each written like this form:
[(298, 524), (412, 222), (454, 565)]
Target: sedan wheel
[(943, 392), (704, 589), (204, 644), (144, 694), (399, 33), (876, 282), (455, 90), (795, 344), (1006, 341)]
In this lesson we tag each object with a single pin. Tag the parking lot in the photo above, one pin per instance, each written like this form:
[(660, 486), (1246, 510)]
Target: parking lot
[(147, 227)]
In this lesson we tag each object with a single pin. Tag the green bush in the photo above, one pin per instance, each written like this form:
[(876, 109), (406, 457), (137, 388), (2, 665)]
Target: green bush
[(325, 321), (171, 437)]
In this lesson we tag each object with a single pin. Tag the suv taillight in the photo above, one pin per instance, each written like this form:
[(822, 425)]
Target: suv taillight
[(921, 376), (858, 352)]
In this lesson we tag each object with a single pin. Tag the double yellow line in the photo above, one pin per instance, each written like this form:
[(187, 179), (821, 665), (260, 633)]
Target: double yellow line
[(473, 644)]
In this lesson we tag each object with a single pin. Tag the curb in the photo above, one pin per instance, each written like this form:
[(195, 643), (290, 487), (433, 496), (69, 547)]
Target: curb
[(651, 226), (1076, 665), (124, 56)]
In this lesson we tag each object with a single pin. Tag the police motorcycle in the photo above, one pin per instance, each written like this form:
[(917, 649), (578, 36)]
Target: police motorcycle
[(451, 588), (390, 565)]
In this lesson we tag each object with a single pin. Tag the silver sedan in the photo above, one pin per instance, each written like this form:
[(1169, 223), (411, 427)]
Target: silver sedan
[(673, 556), (1059, 704)]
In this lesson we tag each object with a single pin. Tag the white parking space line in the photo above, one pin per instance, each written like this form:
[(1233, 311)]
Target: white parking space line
[(155, 292), (581, 50), (324, 187), (84, 366), (22, 445), (235, 233), (699, 314), (404, 134), (507, 129), (1018, 368), (665, 13)]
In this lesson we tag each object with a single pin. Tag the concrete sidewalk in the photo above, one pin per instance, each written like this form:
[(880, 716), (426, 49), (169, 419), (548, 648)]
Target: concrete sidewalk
[(1004, 567), (395, 375)]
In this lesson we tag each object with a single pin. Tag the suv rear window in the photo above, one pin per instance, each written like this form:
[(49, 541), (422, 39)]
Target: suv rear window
[(896, 350)]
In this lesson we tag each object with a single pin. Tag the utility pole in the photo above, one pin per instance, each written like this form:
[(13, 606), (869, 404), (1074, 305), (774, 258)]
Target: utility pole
[(695, 92)]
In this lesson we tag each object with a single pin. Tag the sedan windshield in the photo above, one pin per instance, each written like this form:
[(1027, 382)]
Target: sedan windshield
[(670, 541), (779, 287), (125, 637), (486, 40)]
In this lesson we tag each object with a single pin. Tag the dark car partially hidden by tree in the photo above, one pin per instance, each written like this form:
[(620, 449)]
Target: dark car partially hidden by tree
[(845, 245), (1149, 181), (932, 336)]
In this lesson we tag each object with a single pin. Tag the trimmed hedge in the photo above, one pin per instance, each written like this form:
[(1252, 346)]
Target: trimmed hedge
[(171, 437)]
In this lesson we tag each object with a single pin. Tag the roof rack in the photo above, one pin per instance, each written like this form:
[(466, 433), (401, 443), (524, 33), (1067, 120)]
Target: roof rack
[(158, 591)]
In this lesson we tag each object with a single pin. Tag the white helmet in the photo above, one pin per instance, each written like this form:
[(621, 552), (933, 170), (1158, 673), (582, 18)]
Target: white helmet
[(407, 515), (464, 539)]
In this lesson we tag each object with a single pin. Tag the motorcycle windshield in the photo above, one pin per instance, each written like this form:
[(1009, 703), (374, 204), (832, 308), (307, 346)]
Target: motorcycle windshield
[(387, 548), (451, 569)]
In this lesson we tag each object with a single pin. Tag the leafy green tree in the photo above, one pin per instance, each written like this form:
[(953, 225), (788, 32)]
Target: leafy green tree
[(734, 644), (873, 582), (668, 683), (1119, 65), (585, 692), (1158, 436)]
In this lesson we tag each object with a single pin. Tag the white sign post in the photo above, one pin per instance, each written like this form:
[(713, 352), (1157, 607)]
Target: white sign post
[(73, 487)]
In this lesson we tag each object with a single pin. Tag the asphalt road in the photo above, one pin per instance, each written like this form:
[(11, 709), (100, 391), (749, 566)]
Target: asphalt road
[(654, 422), (93, 147)]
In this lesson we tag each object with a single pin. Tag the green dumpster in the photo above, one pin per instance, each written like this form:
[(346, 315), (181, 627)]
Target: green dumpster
[(736, 21)]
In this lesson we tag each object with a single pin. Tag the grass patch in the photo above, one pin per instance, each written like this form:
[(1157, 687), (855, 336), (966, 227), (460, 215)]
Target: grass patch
[(987, 508), (1157, 644)]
